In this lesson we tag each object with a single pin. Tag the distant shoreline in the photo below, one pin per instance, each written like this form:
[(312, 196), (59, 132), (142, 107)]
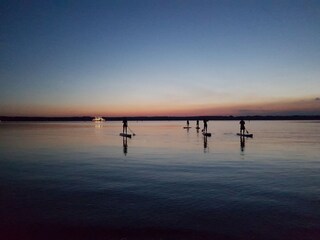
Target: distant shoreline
[(162, 118)]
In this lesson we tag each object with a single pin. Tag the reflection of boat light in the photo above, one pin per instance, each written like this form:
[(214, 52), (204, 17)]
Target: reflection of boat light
[(98, 119)]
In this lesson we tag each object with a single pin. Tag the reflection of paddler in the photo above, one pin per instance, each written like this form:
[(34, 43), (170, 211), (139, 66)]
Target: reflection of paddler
[(242, 143), (205, 142), (125, 145)]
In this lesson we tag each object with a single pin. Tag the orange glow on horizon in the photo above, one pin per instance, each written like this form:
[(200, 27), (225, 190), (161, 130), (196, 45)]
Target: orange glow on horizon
[(268, 108)]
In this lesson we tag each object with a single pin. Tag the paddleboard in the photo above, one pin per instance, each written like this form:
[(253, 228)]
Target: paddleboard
[(206, 134), (245, 135), (125, 135), (197, 127), (186, 127)]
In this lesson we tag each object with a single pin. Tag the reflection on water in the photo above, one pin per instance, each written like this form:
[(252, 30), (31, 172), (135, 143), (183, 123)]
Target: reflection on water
[(242, 143), (125, 145), (80, 181), (98, 125), (205, 143)]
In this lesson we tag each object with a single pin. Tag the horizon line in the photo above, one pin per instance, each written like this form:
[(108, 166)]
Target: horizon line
[(163, 117)]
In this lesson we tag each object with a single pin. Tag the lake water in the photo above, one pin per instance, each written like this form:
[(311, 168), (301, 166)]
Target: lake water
[(81, 180)]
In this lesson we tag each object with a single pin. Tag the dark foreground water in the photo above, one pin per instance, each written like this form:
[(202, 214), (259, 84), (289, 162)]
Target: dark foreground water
[(84, 181)]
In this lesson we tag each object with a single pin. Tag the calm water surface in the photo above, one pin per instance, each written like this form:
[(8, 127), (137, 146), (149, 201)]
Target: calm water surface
[(83, 181)]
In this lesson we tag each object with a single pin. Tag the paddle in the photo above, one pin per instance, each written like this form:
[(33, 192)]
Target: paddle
[(132, 132)]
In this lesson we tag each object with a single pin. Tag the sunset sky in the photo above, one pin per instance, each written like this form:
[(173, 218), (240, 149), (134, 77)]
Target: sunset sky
[(129, 58)]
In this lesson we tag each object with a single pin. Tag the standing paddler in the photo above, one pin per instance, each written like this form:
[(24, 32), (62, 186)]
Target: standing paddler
[(205, 126), (242, 127), (125, 126)]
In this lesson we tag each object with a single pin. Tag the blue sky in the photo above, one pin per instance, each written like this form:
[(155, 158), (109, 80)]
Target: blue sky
[(159, 57)]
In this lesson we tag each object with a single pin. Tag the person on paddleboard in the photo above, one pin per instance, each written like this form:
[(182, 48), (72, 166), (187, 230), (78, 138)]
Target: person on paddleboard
[(187, 123), (125, 126), (205, 126), (242, 127), (197, 123)]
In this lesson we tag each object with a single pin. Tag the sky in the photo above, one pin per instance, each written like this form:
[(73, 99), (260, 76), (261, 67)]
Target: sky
[(152, 58)]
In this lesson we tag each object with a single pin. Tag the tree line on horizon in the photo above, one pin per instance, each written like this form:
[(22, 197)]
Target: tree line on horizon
[(163, 118)]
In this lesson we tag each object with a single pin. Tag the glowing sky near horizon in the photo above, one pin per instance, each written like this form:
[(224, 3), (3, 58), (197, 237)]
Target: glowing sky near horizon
[(118, 58)]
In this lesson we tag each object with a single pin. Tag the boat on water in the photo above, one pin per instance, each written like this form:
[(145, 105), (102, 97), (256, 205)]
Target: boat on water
[(98, 119)]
